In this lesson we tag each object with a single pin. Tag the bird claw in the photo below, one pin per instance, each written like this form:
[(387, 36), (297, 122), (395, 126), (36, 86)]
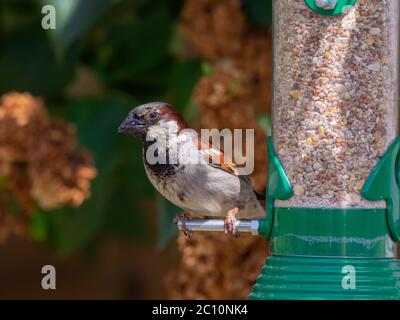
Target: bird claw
[(229, 223), (184, 217)]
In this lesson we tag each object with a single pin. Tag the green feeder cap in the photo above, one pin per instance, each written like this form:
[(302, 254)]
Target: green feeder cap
[(330, 7)]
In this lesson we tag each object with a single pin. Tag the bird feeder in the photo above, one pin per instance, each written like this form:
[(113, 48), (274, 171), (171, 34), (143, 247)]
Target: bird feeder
[(333, 192)]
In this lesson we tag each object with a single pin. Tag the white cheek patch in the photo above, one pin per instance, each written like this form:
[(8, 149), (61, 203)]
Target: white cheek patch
[(164, 134), (162, 130)]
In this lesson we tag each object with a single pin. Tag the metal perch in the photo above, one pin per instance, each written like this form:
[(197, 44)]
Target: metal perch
[(250, 226)]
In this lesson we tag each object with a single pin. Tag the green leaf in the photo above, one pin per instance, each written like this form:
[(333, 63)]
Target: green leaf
[(74, 17), (3, 182), (97, 120), (74, 228), (27, 63), (184, 77), (207, 69), (126, 214), (135, 47), (39, 227), (259, 12), (12, 206), (233, 88), (126, 211), (167, 230), (266, 125), (18, 14)]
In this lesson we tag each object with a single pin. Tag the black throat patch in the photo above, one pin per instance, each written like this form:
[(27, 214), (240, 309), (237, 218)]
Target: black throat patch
[(161, 169)]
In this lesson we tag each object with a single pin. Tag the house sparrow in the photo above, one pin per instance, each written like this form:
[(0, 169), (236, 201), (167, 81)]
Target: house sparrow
[(202, 188)]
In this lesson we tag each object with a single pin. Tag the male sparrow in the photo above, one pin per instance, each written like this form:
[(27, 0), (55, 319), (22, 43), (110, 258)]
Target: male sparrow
[(182, 167)]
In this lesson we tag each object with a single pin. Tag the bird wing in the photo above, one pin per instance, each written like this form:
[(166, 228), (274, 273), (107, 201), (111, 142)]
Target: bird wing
[(216, 158)]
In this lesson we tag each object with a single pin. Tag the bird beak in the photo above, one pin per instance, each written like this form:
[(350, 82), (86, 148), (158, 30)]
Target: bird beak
[(130, 125)]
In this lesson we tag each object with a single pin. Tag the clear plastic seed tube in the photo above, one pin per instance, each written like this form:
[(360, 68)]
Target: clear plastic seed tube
[(335, 106)]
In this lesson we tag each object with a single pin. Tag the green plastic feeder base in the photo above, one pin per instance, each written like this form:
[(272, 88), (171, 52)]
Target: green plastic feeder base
[(320, 278), (329, 254), (332, 253)]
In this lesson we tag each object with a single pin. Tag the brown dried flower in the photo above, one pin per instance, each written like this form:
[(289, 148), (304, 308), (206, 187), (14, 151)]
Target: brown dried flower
[(255, 61), (214, 27), (16, 205), (60, 174), (39, 162), (21, 118), (214, 266)]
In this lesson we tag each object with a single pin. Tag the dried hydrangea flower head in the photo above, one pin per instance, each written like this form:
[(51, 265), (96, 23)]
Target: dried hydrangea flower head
[(40, 163), (215, 28), (215, 267)]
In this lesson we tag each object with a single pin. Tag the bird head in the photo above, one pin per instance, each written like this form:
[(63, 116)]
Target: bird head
[(149, 116)]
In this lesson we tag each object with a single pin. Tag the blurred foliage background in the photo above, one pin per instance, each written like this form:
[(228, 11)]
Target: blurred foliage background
[(73, 86)]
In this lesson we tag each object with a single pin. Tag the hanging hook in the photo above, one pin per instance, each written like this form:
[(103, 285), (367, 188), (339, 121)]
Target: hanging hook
[(326, 4)]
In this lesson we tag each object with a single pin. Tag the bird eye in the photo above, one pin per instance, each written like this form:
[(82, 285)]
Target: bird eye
[(153, 116)]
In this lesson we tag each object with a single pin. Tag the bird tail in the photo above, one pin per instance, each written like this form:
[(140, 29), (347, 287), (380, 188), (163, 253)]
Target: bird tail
[(261, 199), (259, 196)]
